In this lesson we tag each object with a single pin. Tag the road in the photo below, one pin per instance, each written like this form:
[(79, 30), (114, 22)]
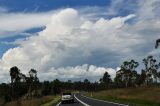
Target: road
[(81, 100)]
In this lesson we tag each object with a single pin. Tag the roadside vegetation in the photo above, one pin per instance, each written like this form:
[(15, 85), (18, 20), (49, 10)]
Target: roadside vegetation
[(141, 96), (28, 90), (53, 102), (31, 102), (1, 101), (130, 86)]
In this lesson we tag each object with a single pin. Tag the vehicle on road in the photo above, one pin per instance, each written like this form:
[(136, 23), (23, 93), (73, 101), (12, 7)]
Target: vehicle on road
[(67, 97)]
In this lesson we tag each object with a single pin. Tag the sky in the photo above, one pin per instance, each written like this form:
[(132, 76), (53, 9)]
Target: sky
[(76, 39)]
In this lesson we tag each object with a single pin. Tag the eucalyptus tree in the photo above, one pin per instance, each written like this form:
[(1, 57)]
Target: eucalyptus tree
[(151, 69), (118, 80), (15, 79), (128, 72), (56, 86), (32, 81), (14, 74), (106, 79)]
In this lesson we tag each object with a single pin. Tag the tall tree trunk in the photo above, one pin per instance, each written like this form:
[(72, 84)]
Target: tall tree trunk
[(11, 87)]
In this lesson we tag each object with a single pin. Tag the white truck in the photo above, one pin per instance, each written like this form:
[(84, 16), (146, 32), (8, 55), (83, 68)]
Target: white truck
[(67, 97)]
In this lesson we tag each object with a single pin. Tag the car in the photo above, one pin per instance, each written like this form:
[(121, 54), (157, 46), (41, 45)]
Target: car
[(67, 97)]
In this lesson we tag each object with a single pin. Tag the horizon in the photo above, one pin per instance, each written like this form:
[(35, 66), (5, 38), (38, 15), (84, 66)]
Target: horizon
[(76, 39)]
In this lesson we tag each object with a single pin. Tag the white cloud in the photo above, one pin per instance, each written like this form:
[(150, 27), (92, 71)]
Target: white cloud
[(148, 9), (68, 37), (14, 23), (77, 72)]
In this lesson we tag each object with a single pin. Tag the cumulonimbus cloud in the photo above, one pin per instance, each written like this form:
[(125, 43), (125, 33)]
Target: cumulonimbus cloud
[(68, 39)]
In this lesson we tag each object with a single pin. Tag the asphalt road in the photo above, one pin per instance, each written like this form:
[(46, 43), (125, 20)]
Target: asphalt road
[(81, 100)]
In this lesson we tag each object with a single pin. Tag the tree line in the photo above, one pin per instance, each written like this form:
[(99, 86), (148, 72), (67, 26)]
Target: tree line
[(28, 87), (127, 76)]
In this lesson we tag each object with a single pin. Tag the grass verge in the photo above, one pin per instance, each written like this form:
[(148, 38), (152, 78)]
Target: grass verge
[(53, 102), (143, 96), (31, 102), (1, 101)]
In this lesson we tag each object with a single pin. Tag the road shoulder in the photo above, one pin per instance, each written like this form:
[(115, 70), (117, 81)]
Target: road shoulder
[(104, 101)]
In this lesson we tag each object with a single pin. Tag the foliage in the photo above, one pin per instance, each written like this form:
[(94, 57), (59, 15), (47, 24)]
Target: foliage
[(127, 75), (29, 87), (139, 96)]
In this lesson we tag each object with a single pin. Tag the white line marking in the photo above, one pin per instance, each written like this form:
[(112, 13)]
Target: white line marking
[(81, 101), (104, 101), (58, 104)]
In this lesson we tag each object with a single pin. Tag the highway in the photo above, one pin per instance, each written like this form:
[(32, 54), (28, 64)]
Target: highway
[(81, 100)]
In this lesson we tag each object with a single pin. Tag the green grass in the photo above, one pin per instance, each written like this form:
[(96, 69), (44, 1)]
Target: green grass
[(143, 96), (53, 102)]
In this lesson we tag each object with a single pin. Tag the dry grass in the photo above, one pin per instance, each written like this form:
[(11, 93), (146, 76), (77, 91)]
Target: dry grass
[(54, 102), (1, 101), (152, 94), (143, 95), (31, 102)]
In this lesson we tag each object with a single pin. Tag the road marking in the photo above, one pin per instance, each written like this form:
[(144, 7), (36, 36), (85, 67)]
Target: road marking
[(104, 101), (81, 101), (58, 104)]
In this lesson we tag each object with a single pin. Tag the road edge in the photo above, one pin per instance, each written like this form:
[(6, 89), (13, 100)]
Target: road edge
[(81, 101), (58, 104), (105, 101)]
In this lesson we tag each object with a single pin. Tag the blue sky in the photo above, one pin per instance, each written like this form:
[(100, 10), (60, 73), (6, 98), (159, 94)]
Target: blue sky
[(76, 39), (46, 5)]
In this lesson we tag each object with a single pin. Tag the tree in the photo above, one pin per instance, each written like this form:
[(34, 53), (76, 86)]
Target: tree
[(86, 81), (15, 79), (143, 77), (86, 85), (118, 80), (151, 67), (127, 73), (138, 80), (56, 86), (106, 79), (14, 73), (46, 88), (33, 73), (157, 43), (158, 75), (134, 78), (32, 81), (23, 77)]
